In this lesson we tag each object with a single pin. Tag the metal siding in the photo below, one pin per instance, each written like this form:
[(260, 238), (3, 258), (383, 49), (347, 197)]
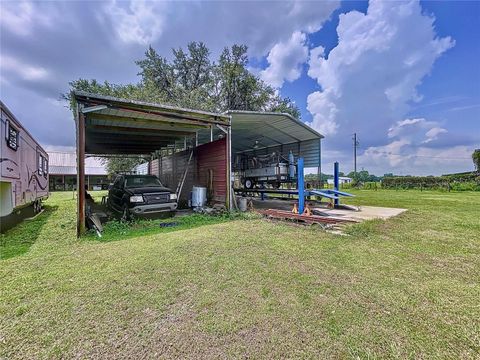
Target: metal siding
[(213, 156), (310, 151), (153, 168), (170, 170)]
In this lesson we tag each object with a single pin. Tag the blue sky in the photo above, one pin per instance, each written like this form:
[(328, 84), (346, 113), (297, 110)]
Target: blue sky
[(403, 75)]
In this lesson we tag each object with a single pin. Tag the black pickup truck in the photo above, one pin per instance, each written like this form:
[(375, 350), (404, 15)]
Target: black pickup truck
[(140, 196)]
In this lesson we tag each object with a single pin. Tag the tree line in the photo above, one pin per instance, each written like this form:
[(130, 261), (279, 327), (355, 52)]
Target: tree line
[(192, 80)]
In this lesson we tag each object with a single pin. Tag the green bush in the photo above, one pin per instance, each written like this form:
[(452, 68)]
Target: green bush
[(465, 186), (458, 182), (371, 185)]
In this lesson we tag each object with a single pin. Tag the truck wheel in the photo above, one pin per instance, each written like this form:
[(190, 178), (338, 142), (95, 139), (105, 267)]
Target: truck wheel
[(125, 213), (248, 183)]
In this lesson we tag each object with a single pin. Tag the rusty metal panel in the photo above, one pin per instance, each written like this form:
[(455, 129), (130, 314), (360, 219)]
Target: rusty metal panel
[(212, 167)]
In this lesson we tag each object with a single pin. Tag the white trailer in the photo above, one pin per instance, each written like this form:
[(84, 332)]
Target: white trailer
[(23, 174)]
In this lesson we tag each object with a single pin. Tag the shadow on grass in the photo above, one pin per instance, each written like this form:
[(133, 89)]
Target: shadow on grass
[(116, 230), (18, 240)]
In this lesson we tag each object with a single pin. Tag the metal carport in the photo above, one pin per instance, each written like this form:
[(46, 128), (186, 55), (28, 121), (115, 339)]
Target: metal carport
[(264, 132), (107, 125)]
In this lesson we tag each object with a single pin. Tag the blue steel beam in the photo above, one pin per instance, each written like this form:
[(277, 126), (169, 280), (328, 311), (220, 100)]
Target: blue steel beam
[(330, 191), (321, 193), (335, 180), (300, 186)]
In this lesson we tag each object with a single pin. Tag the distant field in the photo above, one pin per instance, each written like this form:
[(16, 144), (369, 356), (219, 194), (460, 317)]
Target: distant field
[(215, 288)]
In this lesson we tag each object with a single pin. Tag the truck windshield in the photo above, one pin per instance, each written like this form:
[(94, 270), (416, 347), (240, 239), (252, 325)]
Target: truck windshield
[(142, 181)]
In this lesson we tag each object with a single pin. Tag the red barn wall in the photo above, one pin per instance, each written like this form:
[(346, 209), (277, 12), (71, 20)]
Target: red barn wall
[(213, 156)]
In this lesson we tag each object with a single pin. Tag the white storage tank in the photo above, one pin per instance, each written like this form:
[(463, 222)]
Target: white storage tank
[(199, 196), (242, 204)]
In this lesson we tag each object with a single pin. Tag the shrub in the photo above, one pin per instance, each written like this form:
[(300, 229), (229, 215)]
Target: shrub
[(465, 186), (459, 182), (371, 185)]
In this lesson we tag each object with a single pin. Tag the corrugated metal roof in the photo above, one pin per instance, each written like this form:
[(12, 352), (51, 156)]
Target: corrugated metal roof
[(72, 170), (65, 163), (122, 126), (279, 121), (160, 108), (265, 132)]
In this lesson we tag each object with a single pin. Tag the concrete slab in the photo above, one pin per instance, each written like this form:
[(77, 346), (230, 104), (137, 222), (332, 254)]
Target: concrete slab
[(364, 213)]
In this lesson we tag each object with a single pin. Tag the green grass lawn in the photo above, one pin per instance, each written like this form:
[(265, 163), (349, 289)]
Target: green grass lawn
[(408, 287)]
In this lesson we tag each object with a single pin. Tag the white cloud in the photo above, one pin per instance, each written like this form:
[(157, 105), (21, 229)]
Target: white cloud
[(433, 134), (418, 129), (324, 112), (21, 17), (316, 61), (371, 76), (412, 150), (390, 153), (117, 33), (286, 60), (140, 22), (260, 25), (396, 129), (23, 70), (401, 159)]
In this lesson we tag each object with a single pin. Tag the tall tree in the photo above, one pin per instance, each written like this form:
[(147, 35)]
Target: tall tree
[(121, 164), (284, 105), (476, 159), (192, 80)]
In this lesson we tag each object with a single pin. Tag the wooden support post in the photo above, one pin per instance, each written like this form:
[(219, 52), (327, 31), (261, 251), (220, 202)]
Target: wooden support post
[(229, 194), (80, 173)]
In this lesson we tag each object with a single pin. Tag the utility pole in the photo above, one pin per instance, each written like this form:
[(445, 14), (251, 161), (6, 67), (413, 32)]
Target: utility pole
[(355, 145)]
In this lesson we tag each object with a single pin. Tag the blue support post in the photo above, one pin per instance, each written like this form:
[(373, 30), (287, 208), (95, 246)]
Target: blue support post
[(300, 186), (335, 181)]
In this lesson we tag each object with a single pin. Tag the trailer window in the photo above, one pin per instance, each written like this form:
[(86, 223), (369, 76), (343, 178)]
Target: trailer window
[(11, 136), (45, 167), (40, 165)]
